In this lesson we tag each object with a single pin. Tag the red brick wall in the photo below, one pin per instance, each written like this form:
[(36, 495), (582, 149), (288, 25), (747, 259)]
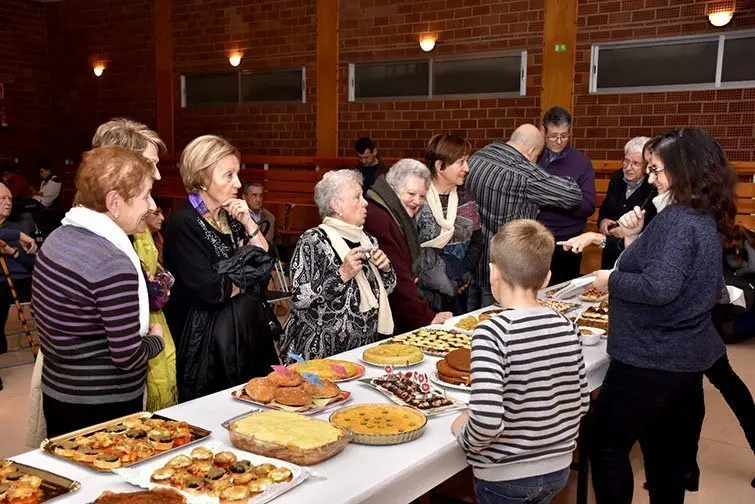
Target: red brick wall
[(271, 33), (373, 30), (603, 123), (23, 71), (119, 32)]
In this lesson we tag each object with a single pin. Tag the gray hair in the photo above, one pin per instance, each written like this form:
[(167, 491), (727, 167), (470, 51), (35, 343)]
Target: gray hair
[(636, 145), (400, 173), (331, 186)]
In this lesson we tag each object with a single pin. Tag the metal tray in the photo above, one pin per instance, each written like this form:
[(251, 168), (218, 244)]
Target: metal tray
[(48, 445), (53, 485), (441, 410), (317, 406)]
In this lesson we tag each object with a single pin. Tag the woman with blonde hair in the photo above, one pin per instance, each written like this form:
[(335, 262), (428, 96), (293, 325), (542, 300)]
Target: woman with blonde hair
[(217, 310)]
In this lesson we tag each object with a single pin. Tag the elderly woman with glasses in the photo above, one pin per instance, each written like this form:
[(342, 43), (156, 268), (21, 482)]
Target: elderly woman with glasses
[(392, 202), (340, 279)]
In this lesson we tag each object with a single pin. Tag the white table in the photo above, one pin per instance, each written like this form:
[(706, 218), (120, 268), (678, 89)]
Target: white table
[(371, 474)]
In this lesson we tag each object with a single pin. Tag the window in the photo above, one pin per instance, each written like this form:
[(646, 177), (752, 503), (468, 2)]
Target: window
[(698, 62), (278, 85), (473, 75)]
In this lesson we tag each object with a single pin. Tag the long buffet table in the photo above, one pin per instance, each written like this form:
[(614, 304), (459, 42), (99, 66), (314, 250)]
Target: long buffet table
[(371, 474)]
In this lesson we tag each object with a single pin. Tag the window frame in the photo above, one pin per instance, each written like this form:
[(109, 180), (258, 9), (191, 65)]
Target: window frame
[(720, 38), (523, 54)]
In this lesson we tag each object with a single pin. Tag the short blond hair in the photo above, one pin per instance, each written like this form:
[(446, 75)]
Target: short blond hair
[(110, 168), (201, 154), (128, 134), (522, 251)]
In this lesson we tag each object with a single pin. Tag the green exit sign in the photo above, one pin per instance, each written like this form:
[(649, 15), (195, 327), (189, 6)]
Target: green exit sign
[(560, 47)]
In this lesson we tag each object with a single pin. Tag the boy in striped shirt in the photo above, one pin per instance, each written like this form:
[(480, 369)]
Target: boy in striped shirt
[(529, 386)]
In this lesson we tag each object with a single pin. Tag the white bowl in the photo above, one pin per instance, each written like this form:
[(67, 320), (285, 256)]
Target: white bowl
[(590, 336)]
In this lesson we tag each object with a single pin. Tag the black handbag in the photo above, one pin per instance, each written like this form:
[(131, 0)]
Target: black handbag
[(276, 329)]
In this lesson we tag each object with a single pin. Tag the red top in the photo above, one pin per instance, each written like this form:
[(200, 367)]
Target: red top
[(410, 311), (19, 186)]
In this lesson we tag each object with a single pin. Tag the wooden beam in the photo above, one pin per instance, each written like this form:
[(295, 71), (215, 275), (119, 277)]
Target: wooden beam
[(559, 50), (164, 72), (326, 69)]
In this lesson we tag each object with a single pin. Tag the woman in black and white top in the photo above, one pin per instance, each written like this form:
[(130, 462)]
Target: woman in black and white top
[(340, 279)]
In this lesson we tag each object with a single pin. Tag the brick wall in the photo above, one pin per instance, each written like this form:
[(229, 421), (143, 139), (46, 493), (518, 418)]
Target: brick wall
[(119, 32), (23, 72), (603, 123), (373, 30), (271, 34)]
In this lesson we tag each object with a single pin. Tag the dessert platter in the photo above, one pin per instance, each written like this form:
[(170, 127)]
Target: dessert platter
[(435, 340), (555, 290), (595, 316), (287, 390), (393, 354), (559, 306), (20, 483), (154, 496), (593, 296), (287, 436), (469, 322), (413, 389), (124, 441), (380, 424), (330, 369), (214, 473), (454, 371)]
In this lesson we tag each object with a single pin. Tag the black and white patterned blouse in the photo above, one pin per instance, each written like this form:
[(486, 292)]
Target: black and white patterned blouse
[(326, 319)]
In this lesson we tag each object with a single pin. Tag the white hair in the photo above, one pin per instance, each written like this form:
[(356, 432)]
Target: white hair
[(400, 173), (635, 145), (331, 186)]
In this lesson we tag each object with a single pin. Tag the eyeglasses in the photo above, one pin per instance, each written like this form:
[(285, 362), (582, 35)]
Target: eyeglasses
[(655, 169), (634, 164), (559, 138)]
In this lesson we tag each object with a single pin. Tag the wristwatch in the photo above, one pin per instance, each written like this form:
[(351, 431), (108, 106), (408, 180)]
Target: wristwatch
[(602, 243)]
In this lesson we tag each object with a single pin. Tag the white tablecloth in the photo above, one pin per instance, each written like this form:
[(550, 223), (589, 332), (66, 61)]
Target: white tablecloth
[(372, 474)]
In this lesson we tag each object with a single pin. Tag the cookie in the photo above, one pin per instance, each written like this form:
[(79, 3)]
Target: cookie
[(260, 390), (293, 396), (291, 379)]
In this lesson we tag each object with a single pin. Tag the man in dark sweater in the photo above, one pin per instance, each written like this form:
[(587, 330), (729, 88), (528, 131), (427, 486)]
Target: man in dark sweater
[(369, 163), (562, 160)]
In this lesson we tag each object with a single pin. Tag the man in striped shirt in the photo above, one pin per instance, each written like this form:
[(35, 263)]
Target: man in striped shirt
[(507, 185), (529, 385)]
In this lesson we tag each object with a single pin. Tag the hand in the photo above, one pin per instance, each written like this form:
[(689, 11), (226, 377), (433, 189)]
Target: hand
[(156, 330), (632, 222), (380, 260), (581, 242), (459, 423), (441, 317), (8, 250), (605, 224), (239, 210), (601, 283), (28, 243), (352, 264)]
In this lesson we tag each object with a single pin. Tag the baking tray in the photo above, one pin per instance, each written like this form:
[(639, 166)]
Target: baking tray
[(53, 485), (318, 405), (441, 410), (48, 445), (406, 339)]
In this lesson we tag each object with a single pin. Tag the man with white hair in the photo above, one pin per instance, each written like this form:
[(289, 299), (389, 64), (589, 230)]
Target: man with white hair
[(628, 188)]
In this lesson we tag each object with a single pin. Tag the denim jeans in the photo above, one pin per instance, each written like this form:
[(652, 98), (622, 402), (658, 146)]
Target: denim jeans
[(533, 490)]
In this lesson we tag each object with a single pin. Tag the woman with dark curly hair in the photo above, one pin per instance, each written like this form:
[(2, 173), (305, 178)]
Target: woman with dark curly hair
[(662, 292)]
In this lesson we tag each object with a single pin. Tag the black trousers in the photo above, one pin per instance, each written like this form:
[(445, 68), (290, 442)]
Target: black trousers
[(656, 406), (63, 417), (565, 265), (23, 290)]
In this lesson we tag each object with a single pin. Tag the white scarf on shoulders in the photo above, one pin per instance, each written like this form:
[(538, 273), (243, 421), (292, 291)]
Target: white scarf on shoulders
[(662, 201), (338, 232), (446, 222), (102, 225)]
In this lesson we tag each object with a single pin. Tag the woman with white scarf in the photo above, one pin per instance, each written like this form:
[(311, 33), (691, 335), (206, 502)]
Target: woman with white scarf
[(340, 279), (449, 226), (90, 298)]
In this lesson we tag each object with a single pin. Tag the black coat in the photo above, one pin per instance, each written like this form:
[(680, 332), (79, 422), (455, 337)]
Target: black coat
[(617, 204)]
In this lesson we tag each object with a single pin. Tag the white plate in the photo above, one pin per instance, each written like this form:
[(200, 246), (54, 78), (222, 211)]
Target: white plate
[(398, 367), (433, 376)]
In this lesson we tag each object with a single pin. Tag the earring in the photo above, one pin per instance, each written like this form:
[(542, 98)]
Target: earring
[(117, 214)]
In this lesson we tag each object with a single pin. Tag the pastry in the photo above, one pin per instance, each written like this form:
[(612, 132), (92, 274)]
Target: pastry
[(200, 453), (436, 341), (278, 379), (225, 459), (85, 454), (293, 396), (410, 393), (66, 449), (260, 390), (180, 462), (234, 495), (155, 496), (468, 323), (107, 461), (489, 314), (21, 495), (558, 306), (287, 429), (384, 419), (200, 467), (163, 474), (593, 295), (260, 485), (393, 354), (595, 316), (280, 474), (328, 390), (161, 440), (244, 479), (323, 368), (264, 469), (240, 467)]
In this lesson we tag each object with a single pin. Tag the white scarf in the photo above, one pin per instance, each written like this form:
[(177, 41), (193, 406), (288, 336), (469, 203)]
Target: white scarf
[(446, 223), (662, 201), (102, 225), (338, 232)]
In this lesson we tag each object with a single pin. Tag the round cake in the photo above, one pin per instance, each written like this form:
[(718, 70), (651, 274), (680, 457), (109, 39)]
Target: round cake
[(455, 368), (323, 368), (396, 354), (381, 423)]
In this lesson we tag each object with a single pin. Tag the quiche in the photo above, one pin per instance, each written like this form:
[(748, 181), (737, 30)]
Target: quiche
[(396, 354), (324, 368), (287, 429), (380, 420), (435, 341)]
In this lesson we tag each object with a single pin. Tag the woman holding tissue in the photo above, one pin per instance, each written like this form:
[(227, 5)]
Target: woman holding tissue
[(340, 279), (662, 338)]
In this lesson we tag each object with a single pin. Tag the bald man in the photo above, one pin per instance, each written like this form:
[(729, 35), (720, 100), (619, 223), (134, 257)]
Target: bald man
[(508, 184)]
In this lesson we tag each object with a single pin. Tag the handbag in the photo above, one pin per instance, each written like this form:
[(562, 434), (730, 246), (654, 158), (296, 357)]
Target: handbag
[(276, 329)]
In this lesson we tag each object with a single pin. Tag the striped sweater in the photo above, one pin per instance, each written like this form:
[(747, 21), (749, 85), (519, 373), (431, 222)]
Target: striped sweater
[(529, 392), (85, 301)]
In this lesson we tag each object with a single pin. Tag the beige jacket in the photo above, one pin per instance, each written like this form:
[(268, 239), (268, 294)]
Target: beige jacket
[(37, 425)]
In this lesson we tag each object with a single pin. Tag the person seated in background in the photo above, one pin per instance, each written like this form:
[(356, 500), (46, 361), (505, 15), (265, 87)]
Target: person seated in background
[(627, 189), (16, 182), (369, 163), (561, 159), (526, 359), (23, 205), (392, 202), (49, 189), (254, 196)]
